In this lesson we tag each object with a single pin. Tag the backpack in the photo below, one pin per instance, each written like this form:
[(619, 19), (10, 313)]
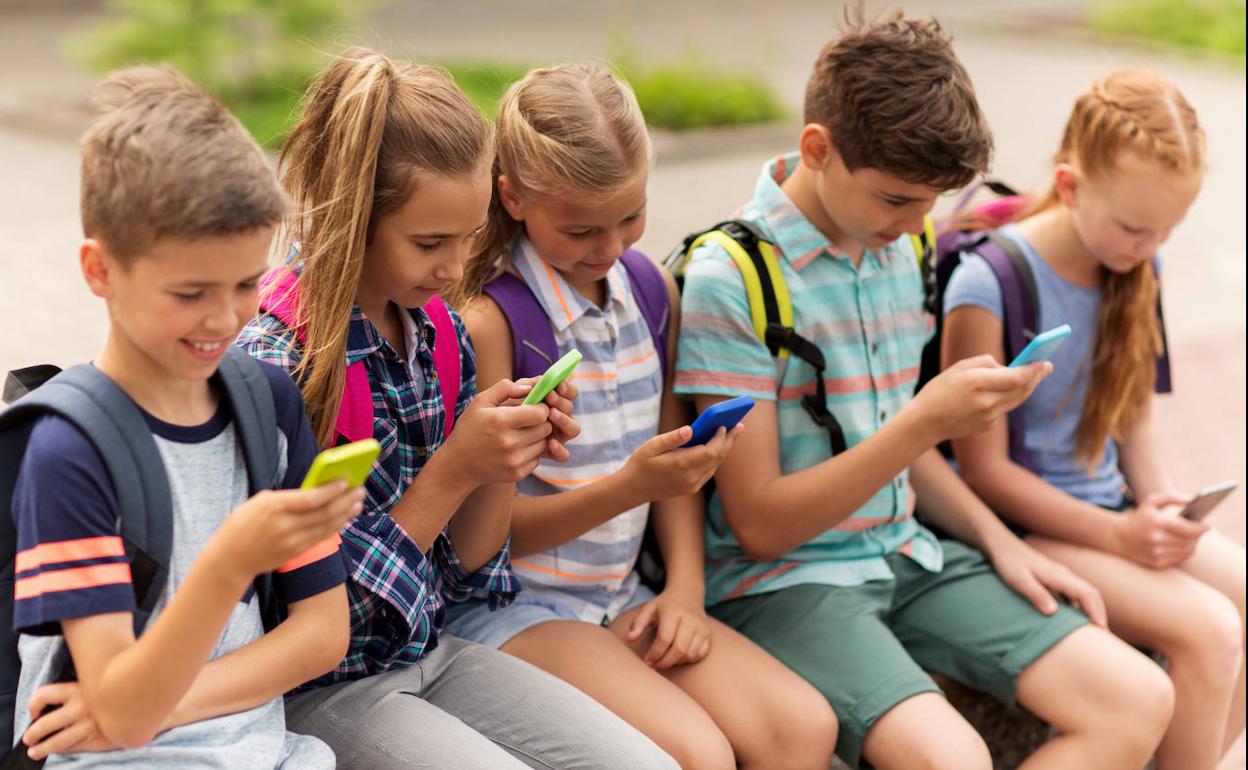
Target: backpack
[(280, 298), (937, 250), (90, 400), (533, 341), (534, 349)]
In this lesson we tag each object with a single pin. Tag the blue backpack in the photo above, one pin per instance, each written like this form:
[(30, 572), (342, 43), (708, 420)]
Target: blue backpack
[(86, 397)]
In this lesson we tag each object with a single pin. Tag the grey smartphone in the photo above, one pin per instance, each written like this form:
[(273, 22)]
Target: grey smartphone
[(1207, 499)]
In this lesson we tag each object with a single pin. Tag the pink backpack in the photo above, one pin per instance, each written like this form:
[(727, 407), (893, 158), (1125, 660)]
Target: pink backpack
[(355, 415)]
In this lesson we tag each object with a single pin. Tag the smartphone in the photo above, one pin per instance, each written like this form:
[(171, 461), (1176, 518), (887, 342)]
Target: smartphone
[(1207, 499), (1042, 346), (553, 378), (350, 462), (725, 414)]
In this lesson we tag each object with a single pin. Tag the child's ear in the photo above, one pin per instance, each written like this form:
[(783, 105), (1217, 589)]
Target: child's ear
[(510, 198), (816, 147), (97, 266), (1066, 183)]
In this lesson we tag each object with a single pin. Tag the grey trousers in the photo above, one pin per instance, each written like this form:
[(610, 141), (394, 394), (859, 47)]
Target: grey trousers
[(468, 707)]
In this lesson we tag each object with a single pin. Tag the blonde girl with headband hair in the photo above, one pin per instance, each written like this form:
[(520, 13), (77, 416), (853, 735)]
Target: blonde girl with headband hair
[(1100, 499), (389, 171), (569, 201)]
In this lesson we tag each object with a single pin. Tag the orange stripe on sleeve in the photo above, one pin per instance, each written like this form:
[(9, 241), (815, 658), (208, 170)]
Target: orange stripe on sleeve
[(71, 580), (69, 550), (321, 550)]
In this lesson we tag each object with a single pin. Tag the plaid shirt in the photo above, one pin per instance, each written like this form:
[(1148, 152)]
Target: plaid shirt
[(397, 592)]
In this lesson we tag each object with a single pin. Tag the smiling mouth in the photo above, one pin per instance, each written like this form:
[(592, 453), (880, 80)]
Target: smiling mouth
[(205, 347)]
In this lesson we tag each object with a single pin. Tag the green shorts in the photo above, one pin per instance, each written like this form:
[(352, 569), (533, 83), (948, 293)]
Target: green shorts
[(868, 647)]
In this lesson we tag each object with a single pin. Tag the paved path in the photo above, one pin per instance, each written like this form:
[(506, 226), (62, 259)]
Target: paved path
[(1026, 79)]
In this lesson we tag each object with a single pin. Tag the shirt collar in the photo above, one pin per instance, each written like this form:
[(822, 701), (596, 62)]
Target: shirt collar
[(562, 304), (363, 338), (798, 241)]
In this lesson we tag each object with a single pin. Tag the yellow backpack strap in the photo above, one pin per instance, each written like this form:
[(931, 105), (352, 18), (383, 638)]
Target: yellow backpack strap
[(765, 289)]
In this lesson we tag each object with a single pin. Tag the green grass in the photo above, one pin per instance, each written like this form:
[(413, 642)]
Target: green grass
[(676, 97), (1201, 25)]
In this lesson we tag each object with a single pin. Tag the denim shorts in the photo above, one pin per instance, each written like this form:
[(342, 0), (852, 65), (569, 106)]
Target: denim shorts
[(473, 620)]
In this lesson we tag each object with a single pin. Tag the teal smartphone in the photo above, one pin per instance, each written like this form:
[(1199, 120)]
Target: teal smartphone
[(554, 377), (350, 462), (1042, 346)]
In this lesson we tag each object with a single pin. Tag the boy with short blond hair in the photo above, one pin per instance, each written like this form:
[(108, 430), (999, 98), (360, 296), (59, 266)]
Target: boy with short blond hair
[(816, 554), (178, 208)]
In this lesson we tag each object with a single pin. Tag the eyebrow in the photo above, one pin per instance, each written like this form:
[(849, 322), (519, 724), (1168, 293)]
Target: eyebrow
[(903, 198), (210, 284), (448, 235), (590, 227)]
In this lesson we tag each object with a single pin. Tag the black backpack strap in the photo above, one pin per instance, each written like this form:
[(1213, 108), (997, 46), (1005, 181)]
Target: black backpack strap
[(255, 421), (1164, 384)]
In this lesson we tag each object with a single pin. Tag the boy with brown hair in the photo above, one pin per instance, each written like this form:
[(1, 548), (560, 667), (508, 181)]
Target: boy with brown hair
[(178, 208), (814, 551)]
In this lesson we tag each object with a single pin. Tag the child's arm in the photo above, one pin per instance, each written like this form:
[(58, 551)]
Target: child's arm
[(682, 633), (540, 523), (772, 513), (1139, 456), (132, 686), (1145, 535), (951, 505)]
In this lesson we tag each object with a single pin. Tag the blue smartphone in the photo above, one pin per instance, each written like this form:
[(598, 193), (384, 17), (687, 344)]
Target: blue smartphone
[(1042, 346), (725, 414)]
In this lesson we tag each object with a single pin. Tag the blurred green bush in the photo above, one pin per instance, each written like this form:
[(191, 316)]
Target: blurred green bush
[(260, 55), (1203, 25)]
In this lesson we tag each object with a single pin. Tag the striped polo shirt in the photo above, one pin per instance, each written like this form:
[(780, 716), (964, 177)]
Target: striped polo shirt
[(621, 387), (870, 324)]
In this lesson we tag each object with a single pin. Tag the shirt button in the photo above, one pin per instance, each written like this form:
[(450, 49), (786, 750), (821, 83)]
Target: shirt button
[(897, 481), (883, 415), (875, 348)]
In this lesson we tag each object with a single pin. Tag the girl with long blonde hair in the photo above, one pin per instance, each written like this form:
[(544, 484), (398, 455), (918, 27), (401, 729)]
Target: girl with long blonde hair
[(389, 170), (1095, 493), (569, 200)]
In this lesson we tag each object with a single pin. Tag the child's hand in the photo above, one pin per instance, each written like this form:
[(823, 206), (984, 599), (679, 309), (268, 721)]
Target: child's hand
[(1038, 578), (969, 396), (69, 729), (498, 440), (1152, 535), (275, 526), (682, 632), (664, 469), (565, 428)]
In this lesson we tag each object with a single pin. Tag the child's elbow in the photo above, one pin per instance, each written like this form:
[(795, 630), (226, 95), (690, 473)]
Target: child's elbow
[(758, 541), (331, 649), (127, 733)]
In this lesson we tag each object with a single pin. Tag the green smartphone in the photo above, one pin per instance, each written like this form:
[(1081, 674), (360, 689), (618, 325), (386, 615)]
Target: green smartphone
[(553, 378), (349, 462)]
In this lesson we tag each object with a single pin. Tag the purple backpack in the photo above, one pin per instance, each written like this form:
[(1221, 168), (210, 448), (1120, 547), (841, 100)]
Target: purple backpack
[(533, 340)]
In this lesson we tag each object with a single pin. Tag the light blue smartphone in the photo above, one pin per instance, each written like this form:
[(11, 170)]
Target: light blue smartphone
[(1042, 346)]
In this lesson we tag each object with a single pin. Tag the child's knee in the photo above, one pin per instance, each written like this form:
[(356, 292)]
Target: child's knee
[(1144, 704), (805, 722), (702, 747), (1212, 642), (959, 749)]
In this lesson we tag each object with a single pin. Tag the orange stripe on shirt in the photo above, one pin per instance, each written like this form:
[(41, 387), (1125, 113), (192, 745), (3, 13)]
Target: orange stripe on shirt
[(69, 550), (750, 582), (71, 580), (638, 359), (708, 377), (594, 376), (847, 385), (568, 482), (550, 273), (569, 575), (325, 548)]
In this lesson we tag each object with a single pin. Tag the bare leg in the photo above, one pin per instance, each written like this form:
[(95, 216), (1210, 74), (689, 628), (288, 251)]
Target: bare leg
[(925, 733)]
